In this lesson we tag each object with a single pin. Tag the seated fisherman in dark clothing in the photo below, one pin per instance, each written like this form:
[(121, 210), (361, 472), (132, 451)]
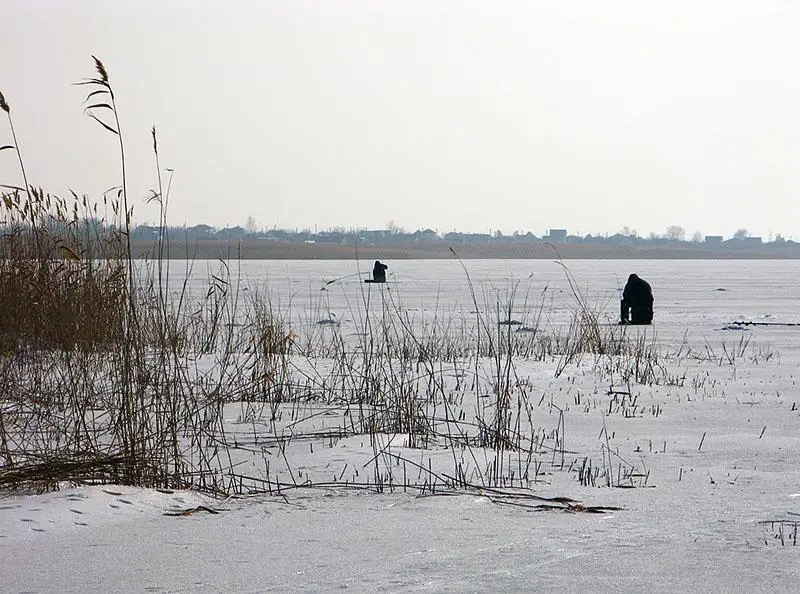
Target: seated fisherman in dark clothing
[(379, 272), (637, 300)]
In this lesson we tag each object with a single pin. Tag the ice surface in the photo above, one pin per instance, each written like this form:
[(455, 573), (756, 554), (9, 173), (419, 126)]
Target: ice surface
[(718, 511)]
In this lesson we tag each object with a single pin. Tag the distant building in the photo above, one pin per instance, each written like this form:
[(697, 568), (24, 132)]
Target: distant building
[(199, 232), (232, 233), (146, 232), (557, 235), (752, 240), (426, 235), (713, 239), (458, 237), (619, 238)]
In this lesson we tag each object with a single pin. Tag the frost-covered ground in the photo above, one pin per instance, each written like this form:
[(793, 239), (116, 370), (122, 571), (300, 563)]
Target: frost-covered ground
[(700, 461)]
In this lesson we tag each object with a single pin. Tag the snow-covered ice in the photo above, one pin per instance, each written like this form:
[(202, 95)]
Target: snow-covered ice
[(711, 502)]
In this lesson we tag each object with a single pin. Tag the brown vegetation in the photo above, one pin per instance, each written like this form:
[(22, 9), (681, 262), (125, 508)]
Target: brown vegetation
[(106, 375), (251, 248)]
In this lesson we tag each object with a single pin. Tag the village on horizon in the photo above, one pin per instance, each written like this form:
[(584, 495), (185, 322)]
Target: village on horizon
[(206, 242), (394, 235)]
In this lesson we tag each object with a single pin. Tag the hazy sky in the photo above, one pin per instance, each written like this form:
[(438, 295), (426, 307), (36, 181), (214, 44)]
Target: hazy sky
[(449, 114)]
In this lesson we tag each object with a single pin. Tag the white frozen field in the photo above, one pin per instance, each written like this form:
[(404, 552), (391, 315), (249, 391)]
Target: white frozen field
[(699, 458)]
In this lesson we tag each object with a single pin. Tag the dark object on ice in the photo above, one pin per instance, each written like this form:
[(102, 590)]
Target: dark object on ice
[(744, 323), (636, 306), (509, 322), (329, 321), (378, 273)]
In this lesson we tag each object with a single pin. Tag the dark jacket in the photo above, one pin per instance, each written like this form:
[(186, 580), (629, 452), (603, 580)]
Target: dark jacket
[(637, 300), (379, 272)]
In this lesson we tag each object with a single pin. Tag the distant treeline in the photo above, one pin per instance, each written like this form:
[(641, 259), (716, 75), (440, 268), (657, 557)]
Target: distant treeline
[(674, 237), (206, 242), (249, 247)]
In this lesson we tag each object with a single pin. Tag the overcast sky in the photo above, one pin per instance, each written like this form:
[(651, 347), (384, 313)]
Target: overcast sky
[(449, 114)]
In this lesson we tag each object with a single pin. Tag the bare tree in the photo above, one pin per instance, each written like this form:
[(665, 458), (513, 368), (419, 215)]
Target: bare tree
[(394, 228), (675, 233), (251, 225), (698, 236)]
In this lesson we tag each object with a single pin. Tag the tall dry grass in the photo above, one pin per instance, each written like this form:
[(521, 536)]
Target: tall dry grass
[(95, 380), (112, 371)]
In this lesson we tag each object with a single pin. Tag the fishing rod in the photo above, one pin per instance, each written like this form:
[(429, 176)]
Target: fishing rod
[(330, 282)]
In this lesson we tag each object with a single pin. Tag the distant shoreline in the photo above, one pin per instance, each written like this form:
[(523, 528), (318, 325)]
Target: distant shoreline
[(263, 249)]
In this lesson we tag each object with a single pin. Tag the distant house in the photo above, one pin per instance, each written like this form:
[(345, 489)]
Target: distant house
[(752, 240), (331, 237), (619, 238), (458, 237), (713, 239), (278, 235), (374, 236), (146, 232), (199, 232), (426, 235), (232, 233), (557, 235)]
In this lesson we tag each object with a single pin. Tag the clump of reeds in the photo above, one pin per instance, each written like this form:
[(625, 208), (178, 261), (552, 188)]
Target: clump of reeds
[(106, 375), (95, 375), (61, 282)]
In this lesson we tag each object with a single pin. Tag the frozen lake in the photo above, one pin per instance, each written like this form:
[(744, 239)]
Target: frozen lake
[(694, 299), (692, 464)]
